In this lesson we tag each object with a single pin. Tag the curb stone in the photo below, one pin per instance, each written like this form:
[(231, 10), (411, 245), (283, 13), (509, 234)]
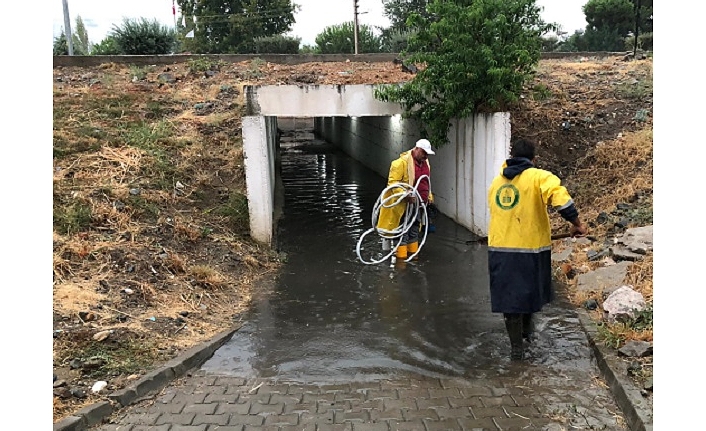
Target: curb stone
[(638, 414), (149, 383)]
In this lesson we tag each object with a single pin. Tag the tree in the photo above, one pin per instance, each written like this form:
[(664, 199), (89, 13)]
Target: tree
[(231, 26), (340, 39), (610, 23), (81, 44), (397, 11), (80, 37), (394, 38), (143, 37), (610, 15), (61, 46), (475, 56)]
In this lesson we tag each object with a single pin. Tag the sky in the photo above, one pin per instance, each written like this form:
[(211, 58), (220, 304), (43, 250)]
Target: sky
[(313, 17)]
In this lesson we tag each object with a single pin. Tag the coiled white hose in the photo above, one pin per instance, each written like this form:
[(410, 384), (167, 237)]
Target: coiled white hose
[(411, 213)]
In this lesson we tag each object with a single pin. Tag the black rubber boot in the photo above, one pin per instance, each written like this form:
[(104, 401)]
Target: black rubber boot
[(513, 324), (527, 326)]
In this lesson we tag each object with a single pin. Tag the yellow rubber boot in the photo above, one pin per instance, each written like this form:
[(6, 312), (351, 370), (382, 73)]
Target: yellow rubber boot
[(412, 248), (402, 252)]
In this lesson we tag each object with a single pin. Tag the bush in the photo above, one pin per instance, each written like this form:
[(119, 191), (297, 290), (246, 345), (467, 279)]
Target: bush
[(644, 42), (144, 37), (278, 44), (340, 39), (107, 46)]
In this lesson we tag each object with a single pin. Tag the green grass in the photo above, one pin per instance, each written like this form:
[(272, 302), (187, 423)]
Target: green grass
[(236, 209), (71, 218), (124, 356), (615, 334), (541, 92)]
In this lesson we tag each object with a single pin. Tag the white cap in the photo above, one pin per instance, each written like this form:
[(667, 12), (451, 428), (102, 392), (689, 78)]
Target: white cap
[(424, 145)]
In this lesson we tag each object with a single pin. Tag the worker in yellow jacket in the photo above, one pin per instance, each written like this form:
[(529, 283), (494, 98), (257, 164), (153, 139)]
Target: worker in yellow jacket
[(408, 168), (519, 240)]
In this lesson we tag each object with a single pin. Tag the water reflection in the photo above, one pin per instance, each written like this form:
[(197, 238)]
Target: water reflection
[(326, 317)]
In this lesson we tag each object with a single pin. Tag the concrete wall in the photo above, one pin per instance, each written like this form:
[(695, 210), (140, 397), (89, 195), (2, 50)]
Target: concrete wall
[(145, 60), (316, 101), (461, 171), (260, 149)]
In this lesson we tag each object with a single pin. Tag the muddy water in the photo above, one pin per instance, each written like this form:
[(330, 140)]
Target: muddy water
[(328, 317)]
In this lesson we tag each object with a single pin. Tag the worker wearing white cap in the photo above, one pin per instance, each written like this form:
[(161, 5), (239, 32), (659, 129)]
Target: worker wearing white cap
[(408, 168)]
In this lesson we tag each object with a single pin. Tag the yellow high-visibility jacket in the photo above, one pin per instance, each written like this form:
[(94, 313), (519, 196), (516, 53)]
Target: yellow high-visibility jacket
[(519, 236), (518, 209), (401, 171)]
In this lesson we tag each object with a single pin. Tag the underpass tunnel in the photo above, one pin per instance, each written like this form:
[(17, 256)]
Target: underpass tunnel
[(374, 133)]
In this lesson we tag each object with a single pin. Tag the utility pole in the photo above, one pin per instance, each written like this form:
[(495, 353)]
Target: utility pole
[(67, 27), (637, 28), (355, 25)]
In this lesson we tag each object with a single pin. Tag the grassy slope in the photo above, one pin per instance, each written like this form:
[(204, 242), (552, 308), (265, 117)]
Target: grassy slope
[(150, 215)]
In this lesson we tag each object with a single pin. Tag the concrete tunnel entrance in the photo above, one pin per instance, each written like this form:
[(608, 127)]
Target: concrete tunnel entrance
[(373, 133)]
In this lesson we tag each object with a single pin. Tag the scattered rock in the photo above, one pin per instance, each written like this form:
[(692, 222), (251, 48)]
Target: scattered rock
[(102, 335), (62, 392), (99, 386), (86, 316), (603, 277), (93, 363), (624, 303), (648, 384), (78, 393), (590, 304), (59, 383), (636, 349)]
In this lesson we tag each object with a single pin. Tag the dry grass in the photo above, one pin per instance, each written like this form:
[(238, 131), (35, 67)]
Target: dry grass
[(149, 216)]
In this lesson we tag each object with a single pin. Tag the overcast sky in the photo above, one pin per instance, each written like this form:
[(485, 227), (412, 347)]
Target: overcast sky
[(99, 16)]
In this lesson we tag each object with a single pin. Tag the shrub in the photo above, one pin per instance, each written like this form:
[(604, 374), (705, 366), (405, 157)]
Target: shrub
[(278, 44), (144, 37), (107, 46)]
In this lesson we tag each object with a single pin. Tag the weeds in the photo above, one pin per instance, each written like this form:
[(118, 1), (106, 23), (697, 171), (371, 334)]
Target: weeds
[(637, 90), (72, 218), (138, 73), (197, 65), (236, 209), (126, 355), (616, 334), (541, 92)]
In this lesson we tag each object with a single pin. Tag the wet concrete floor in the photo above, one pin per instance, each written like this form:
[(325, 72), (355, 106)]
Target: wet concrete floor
[(328, 320)]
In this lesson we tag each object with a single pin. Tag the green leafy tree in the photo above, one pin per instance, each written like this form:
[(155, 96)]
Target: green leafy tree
[(610, 22), (143, 37), (397, 11), (394, 38), (232, 26), (107, 46), (611, 15), (475, 56), (340, 39)]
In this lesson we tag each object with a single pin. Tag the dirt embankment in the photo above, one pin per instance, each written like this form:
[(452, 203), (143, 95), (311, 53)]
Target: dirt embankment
[(151, 252)]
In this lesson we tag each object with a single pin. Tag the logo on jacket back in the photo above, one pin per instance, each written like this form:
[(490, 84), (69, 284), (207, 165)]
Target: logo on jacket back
[(507, 197)]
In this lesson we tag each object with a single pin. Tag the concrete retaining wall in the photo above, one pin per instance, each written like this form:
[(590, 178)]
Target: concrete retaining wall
[(144, 60), (461, 171)]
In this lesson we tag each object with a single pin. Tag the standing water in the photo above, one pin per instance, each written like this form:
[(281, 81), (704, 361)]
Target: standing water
[(328, 317)]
